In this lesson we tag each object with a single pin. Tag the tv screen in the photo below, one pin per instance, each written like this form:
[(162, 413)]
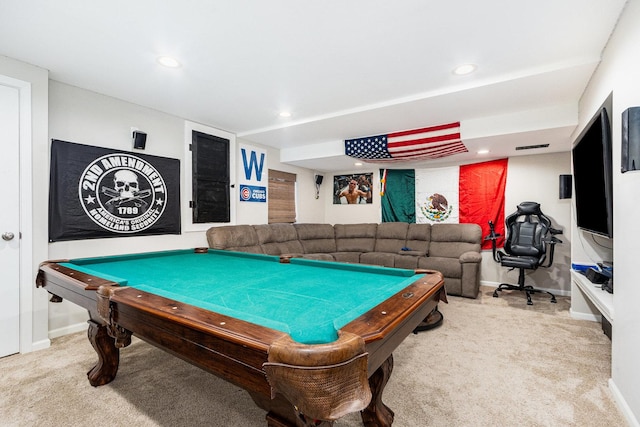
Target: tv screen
[(592, 176)]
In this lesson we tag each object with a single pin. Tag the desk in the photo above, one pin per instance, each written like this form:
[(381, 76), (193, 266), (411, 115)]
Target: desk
[(228, 312)]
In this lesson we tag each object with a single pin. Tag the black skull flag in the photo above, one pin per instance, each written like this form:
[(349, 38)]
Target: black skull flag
[(98, 192)]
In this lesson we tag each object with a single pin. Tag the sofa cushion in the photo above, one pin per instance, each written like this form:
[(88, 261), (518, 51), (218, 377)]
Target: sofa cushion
[(405, 261), (241, 238), (351, 257), (278, 239), (419, 238), (319, 257), (384, 259), (391, 237), (449, 267), (355, 237), (316, 238), (452, 240), (414, 253)]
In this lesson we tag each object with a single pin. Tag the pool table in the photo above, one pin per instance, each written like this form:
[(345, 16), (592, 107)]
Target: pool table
[(309, 340)]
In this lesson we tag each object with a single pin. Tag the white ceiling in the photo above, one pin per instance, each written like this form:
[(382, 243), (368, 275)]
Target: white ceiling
[(344, 69)]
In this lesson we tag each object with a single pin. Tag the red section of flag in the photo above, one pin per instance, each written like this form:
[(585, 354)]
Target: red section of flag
[(481, 192)]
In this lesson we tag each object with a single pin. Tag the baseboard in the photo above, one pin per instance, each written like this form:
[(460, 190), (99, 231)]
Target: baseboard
[(622, 405), (584, 316), (40, 345), (71, 329)]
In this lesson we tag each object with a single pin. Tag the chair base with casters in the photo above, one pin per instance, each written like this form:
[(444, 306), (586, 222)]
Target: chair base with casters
[(527, 289), (530, 239)]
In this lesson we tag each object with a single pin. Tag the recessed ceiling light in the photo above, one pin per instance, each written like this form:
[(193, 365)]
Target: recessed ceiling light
[(358, 164), (461, 70), (285, 114), (483, 151), (169, 62)]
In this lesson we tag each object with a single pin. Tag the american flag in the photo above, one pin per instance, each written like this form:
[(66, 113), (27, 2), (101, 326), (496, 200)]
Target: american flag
[(418, 144)]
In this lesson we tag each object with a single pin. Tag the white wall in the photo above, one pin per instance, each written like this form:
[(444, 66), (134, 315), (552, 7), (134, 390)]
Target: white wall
[(308, 208), (536, 178), (81, 116), (618, 73), (85, 117)]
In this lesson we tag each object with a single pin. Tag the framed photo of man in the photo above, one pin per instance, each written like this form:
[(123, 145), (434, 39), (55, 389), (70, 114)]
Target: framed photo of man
[(353, 189)]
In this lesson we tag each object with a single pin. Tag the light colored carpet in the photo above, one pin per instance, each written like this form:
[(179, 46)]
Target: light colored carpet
[(493, 362)]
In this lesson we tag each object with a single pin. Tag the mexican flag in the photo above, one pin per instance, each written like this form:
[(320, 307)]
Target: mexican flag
[(459, 194)]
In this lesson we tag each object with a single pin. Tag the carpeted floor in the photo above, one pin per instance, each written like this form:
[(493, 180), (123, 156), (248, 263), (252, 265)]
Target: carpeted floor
[(493, 362)]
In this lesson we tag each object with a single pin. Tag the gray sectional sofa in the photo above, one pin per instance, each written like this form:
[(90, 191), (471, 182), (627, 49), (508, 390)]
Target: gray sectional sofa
[(453, 249)]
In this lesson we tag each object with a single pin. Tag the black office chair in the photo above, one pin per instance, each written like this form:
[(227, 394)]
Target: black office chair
[(529, 238)]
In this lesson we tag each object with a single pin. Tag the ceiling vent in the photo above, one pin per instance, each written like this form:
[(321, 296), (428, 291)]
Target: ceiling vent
[(531, 147)]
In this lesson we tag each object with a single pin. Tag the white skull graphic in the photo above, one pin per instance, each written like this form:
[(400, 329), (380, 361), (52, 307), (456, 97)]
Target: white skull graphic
[(126, 183)]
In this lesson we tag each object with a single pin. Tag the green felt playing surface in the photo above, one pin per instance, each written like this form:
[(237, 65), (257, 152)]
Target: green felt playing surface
[(308, 299)]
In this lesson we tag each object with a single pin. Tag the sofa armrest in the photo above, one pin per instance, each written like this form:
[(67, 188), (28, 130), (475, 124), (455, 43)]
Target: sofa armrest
[(470, 256), (470, 280)]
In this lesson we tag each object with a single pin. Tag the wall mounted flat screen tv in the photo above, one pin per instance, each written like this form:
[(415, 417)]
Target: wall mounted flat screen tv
[(593, 176)]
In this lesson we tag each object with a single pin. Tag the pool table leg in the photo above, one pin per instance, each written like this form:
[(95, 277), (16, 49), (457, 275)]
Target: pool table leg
[(281, 413), (108, 355), (377, 414)]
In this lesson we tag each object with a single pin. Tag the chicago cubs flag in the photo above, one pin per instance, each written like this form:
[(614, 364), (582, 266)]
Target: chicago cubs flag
[(98, 192), (418, 144)]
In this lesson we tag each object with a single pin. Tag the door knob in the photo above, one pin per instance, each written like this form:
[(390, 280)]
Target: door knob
[(7, 235)]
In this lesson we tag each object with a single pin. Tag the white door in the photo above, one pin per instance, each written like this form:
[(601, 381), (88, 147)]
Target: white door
[(9, 221)]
